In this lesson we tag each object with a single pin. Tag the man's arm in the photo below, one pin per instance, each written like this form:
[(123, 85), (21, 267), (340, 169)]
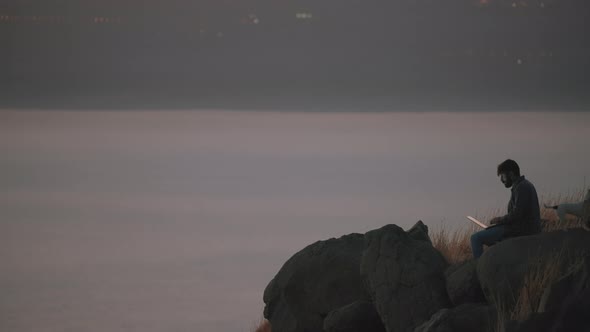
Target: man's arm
[(496, 220)]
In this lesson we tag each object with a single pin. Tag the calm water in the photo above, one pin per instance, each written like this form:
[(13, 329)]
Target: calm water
[(176, 221)]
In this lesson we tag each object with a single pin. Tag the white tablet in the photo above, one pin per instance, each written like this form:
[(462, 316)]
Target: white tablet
[(477, 222)]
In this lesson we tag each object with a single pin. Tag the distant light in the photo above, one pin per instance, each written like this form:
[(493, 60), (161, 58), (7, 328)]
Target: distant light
[(253, 18), (519, 61), (514, 5), (219, 34), (542, 5), (304, 16)]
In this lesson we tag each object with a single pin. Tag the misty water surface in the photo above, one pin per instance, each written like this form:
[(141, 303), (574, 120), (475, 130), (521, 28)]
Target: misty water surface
[(176, 221)]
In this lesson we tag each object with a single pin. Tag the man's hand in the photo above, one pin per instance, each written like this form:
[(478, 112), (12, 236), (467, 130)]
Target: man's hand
[(495, 220)]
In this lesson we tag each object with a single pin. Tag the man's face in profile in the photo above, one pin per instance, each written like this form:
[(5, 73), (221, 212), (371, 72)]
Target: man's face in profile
[(506, 179)]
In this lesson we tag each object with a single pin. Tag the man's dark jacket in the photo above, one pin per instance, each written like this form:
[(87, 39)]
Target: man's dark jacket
[(524, 216)]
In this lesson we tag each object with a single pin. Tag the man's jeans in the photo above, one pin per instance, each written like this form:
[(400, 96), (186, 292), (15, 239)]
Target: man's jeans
[(488, 237)]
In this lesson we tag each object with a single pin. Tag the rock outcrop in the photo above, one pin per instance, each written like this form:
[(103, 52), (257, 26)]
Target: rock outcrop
[(320, 278), (464, 318), (567, 287), (502, 269), (404, 277), (565, 304), (390, 280), (463, 285), (355, 317)]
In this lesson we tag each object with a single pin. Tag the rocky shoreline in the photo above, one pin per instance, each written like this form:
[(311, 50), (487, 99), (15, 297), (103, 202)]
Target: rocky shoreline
[(393, 280)]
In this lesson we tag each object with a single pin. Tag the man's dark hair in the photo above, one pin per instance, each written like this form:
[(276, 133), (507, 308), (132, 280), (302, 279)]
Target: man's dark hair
[(509, 165)]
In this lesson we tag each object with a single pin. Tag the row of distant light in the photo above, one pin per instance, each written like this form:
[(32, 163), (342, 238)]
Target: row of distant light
[(252, 18), (525, 4), (106, 20), (54, 19), (514, 4), (471, 53), (34, 19)]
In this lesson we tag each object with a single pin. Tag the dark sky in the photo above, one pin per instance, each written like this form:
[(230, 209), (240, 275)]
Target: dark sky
[(404, 54)]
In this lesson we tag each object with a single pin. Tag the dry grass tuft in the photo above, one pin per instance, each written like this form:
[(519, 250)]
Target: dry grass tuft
[(453, 245)]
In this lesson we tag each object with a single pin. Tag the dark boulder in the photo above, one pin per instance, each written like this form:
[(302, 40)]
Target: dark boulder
[(419, 232), (571, 317), (568, 299), (462, 283), (464, 318), (404, 276), (318, 279), (502, 269), (575, 314), (359, 316), (559, 292), (536, 322)]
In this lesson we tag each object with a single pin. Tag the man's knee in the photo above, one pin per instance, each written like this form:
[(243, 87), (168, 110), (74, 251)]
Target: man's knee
[(477, 238)]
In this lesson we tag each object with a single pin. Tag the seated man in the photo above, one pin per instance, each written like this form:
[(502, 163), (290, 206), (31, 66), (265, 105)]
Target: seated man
[(523, 218)]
